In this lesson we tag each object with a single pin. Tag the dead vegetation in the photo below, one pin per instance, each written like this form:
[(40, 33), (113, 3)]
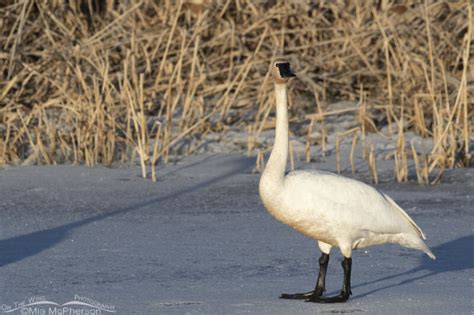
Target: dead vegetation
[(98, 82)]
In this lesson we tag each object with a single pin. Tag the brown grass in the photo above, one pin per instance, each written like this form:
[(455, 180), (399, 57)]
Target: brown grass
[(111, 82)]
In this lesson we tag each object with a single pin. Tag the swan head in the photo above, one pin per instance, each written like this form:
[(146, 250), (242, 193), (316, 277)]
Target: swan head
[(281, 71)]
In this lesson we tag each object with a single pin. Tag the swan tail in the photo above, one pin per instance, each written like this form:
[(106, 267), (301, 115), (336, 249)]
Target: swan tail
[(430, 253), (424, 248), (410, 220), (417, 243)]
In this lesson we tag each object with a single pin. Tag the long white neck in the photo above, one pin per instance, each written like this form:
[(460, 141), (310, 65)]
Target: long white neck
[(275, 169)]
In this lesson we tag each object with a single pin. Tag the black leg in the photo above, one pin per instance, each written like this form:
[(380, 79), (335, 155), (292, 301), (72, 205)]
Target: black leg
[(320, 283), (323, 268), (346, 287)]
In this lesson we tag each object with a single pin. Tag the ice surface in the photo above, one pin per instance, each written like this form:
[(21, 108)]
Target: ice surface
[(199, 241)]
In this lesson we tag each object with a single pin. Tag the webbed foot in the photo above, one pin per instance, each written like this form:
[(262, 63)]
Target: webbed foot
[(301, 296)]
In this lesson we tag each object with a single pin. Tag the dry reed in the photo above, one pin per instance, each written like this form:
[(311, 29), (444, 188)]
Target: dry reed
[(89, 85)]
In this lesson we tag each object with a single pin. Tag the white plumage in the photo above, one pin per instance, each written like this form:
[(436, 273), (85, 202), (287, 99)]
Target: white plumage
[(335, 210), (341, 212)]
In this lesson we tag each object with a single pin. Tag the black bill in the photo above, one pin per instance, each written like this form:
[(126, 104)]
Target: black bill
[(285, 71)]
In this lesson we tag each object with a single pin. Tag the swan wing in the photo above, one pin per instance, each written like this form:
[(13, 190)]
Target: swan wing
[(349, 202), (405, 215)]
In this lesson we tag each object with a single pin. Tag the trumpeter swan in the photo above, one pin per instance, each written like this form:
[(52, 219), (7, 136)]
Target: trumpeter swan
[(334, 210)]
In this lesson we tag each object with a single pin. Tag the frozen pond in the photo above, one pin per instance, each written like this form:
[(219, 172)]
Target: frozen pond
[(199, 241)]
